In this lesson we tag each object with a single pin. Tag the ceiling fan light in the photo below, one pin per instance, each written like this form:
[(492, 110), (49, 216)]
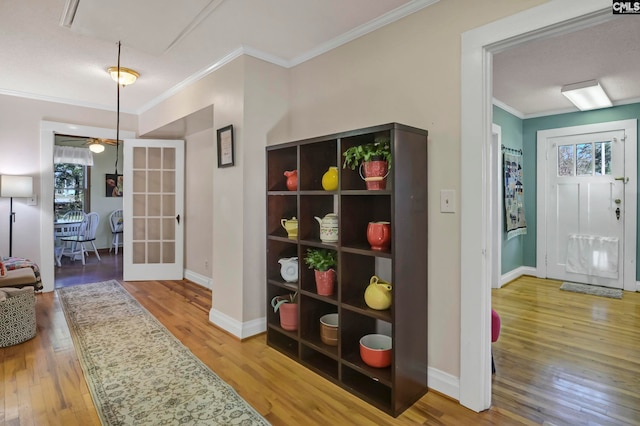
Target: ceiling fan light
[(586, 95), (96, 147), (127, 75)]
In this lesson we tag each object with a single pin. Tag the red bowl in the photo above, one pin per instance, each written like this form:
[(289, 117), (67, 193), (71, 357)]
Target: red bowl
[(375, 350)]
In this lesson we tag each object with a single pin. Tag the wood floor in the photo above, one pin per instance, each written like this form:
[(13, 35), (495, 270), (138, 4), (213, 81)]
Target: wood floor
[(43, 382)]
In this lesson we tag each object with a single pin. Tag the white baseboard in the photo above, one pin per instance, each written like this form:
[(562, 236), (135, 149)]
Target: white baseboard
[(198, 279), (237, 328), (517, 273), (637, 285), (444, 383)]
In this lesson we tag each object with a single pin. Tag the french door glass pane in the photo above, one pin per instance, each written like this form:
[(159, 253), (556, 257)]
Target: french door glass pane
[(602, 162), (584, 159), (565, 160), (154, 205)]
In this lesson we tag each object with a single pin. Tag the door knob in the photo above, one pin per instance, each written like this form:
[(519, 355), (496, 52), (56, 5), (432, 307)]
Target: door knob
[(617, 201)]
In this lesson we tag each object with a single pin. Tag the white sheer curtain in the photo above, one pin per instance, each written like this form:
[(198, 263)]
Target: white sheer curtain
[(72, 155)]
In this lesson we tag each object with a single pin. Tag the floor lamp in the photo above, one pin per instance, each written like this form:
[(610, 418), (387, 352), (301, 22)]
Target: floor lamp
[(15, 187)]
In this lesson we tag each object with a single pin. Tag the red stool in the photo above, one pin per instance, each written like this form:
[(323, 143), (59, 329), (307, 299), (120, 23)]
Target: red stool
[(495, 333)]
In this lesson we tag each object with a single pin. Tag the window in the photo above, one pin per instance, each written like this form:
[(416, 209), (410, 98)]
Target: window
[(585, 159), (71, 183)]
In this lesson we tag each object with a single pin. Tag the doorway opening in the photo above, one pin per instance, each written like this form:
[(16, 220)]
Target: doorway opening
[(477, 249)]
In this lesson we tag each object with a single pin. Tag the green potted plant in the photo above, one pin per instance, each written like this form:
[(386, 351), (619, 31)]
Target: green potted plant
[(288, 307), (322, 261), (374, 158)]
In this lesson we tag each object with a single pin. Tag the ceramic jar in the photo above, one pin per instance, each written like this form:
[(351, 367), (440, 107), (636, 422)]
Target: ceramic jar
[(289, 269), (379, 235), (330, 179), (328, 228), (378, 294), (292, 180), (291, 226)]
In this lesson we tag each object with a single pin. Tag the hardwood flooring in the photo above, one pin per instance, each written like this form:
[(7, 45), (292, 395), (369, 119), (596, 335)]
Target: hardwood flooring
[(567, 358), (550, 361)]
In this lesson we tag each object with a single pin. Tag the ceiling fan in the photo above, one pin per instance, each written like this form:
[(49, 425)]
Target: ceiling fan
[(95, 144)]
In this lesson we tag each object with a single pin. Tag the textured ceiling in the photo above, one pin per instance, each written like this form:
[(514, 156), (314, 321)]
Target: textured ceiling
[(529, 77), (49, 52), (53, 53)]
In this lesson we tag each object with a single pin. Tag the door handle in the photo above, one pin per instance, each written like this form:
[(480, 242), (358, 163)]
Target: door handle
[(178, 218), (618, 213), (622, 178)]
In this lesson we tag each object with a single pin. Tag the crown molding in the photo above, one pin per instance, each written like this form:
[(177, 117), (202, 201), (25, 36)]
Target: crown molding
[(363, 29), (511, 110), (64, 101)]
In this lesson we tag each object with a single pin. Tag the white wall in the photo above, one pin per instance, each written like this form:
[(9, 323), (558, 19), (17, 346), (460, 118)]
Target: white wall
[(20, 120)]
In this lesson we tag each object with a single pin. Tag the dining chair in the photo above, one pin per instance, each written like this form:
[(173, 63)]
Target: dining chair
[(86, 233), (68, 225), (117, 227)]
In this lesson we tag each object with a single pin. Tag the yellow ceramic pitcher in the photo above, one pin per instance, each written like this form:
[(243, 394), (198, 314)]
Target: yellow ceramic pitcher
[(378, 294)]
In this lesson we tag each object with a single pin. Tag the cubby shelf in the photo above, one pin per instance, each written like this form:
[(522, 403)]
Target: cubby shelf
[(403, 203)]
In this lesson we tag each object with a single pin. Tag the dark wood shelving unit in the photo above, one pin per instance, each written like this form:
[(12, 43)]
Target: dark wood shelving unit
[(404, 203)]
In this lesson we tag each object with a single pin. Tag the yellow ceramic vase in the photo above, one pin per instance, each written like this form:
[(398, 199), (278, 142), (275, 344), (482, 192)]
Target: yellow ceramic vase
[(330, 179)]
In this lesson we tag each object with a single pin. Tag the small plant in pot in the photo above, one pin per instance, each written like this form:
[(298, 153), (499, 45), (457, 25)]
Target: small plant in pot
[(288, 307), (374, 159), (323, 261)]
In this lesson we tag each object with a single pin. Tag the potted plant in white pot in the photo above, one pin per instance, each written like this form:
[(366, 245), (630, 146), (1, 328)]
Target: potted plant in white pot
[(375, 160), (288, 307), (323, 261)]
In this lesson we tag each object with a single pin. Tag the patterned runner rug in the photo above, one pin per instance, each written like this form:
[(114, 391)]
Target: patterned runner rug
[(139, 373)]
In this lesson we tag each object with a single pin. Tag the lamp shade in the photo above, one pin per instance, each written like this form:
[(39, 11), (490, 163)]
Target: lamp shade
[(16, 186), (96, 147), (127, 75)]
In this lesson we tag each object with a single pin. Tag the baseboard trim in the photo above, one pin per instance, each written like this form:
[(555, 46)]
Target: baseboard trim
[(239, 329), (198, 279), (637, 285), (443, 383), (517, 273)]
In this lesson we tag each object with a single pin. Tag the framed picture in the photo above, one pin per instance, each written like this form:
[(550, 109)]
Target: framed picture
[(113, 185), (226, 150)]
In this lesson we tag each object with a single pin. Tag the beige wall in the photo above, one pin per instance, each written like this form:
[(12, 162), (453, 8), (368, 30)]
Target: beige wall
[(407, 72), (199, 158), (20, 142)]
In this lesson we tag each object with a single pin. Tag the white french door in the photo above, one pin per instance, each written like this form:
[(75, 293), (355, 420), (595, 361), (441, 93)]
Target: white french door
[(153, 207), (585, 177)]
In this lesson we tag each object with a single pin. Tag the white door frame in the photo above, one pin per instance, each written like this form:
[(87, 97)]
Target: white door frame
[(630, 192), (48, 130), (476, 226)]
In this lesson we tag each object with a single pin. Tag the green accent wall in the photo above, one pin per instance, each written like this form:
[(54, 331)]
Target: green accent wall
[(513, 249)]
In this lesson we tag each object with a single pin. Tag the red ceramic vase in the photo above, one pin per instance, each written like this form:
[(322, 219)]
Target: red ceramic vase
[(379, 235), (375, 174), (289, 316), (292, 180), (325, 282)]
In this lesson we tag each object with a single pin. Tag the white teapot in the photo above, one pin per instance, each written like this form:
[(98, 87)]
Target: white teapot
[(289, 269), (328, 228)]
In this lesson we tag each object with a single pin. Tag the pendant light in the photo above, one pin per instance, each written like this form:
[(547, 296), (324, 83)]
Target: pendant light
[(123, 77)]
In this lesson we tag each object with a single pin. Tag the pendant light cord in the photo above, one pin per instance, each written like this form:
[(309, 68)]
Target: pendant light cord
[(118, 112)]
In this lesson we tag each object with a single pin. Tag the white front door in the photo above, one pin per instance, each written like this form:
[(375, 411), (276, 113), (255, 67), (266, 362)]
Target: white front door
[(586, 204), (585, 215), (153, 207)]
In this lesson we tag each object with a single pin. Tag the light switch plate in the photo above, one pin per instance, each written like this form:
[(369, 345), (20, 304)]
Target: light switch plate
[(447, 201)]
